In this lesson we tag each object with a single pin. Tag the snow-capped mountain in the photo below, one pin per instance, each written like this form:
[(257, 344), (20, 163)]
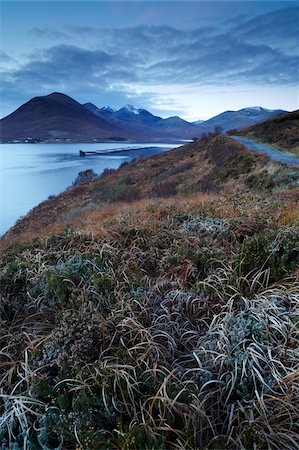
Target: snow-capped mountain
[(141, 120), (227, 120), (242, 118), (108, 109), (130, 113), (131, 109)]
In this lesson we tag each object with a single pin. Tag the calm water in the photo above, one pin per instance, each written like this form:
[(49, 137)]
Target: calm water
[(29, 173)]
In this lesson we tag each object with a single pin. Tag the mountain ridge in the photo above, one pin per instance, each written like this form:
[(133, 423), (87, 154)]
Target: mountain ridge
[(59, 117), (241, 118)]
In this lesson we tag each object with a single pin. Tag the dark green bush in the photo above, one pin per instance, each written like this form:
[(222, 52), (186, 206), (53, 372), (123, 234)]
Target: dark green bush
[(57, 283), (276, 251)]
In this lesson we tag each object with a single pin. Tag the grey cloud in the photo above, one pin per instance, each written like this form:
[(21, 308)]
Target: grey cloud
[(236, 20), (224, 59), (4, 57), (278, 29), (156, 55), (49, 33), (68, 66)]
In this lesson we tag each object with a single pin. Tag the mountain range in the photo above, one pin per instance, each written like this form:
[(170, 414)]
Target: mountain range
[(58, 116), (142, 122)]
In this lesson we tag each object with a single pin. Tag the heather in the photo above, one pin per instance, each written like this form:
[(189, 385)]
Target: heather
[(157, 319), (173, 330)]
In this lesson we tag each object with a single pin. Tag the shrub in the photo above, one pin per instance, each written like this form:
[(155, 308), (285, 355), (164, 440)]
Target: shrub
[(107, 172), (85, 177), (164, 189), (148, 338), (277, 252), (179, 168), (120, 191), (58, 284), (124, 164)]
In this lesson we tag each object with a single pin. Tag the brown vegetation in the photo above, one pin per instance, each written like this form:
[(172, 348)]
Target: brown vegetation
[(282, 131), (167, 321), (218, 165)]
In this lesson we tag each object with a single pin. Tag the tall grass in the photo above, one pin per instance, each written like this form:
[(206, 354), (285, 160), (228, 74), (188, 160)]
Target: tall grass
[(154, 331)]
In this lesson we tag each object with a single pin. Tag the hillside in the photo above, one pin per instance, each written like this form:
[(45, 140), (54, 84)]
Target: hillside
[(215, 164), (201, 166), (56, 116), (156, 307), (282, 131)]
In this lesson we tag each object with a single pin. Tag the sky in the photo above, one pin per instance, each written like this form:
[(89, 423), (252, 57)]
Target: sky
[(194, 59)]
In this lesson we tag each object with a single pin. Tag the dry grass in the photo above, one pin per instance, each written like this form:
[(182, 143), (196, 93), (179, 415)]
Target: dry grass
[(143, 331), (219, 166), (290, 216), (157, 323), (282, 131)]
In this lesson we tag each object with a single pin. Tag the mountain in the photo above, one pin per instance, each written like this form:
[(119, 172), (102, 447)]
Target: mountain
[(197, 122), (128, 111), (107, 110), (56, 116), (282, 131), (101, 112), (125, 114), (243, 118), (180, 127), (137, 122), (137, 115), (146, 123)]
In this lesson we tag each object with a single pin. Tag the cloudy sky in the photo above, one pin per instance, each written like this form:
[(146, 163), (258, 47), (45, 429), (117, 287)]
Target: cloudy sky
[(194, 59)]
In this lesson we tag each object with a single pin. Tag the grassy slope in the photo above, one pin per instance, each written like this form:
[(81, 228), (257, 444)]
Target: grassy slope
[(218, 165), (168, 316), (282, 131)]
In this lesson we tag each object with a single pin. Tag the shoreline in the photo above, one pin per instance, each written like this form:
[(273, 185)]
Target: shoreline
[(174, 141)]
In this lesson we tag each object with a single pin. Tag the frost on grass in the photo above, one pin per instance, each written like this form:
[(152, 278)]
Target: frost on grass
[(206, 225), (127, 343)]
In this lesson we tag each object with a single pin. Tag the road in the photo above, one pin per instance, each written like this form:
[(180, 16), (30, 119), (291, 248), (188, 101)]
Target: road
[(272, 152)]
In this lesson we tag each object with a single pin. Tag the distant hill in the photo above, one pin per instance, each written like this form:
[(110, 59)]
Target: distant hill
[(180, 126), (56, 116), (282, 131), (238, 120)]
